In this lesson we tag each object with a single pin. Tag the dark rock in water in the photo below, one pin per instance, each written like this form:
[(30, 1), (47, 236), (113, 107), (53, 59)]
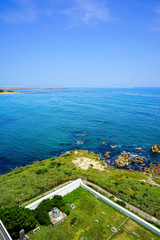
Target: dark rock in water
[(113, 146), (106, 155), (131, 160), (155, 148), (80, 142), (138, 149), (121, 160), (126, 155), (139, 160)]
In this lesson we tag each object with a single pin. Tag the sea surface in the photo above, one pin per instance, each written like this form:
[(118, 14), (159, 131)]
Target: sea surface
[(42, 123)]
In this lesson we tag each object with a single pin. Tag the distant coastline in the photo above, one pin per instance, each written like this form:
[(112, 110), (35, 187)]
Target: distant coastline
[(9, 93)]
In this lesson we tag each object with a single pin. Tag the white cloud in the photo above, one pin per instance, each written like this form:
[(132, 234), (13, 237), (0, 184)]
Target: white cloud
[(156, 21), (79, 12), (88, 12), (21, 11), (155, 29)]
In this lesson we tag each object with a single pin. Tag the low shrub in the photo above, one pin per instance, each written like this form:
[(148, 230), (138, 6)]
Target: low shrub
[(121, 203), (57, 201), (42, 216), (41, 171), (65, 209)]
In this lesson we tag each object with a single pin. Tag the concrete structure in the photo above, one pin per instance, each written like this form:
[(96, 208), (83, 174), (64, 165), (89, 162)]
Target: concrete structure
[(61, 191), (78, 183), (56, 221), (4, 235)]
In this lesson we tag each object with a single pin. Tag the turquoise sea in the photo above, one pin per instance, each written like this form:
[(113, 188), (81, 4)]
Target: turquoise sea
[(42, 123)]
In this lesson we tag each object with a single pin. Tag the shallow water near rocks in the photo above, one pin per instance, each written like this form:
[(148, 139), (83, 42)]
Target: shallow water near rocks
[(42, 123)]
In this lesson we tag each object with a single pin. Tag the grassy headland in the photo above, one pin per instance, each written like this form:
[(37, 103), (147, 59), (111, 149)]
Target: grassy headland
[(25, 183)]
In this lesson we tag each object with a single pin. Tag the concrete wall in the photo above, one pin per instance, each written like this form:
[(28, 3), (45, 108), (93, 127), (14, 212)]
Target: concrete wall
[(62, 191), (72, 186), (123, 210), (4, 235)]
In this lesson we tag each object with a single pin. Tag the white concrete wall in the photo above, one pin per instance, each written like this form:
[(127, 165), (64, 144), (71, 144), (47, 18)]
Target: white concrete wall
[(123, 210), (72, 186), (62, 191), (4, 235)]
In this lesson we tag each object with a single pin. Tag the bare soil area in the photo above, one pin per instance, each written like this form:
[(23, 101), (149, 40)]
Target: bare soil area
[(84, 163)]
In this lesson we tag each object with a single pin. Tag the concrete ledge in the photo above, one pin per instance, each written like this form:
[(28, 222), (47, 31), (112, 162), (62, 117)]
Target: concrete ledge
[(61, 191)]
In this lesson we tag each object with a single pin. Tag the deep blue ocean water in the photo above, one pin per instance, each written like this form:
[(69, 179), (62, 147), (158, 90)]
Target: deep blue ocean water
[(42, 123)]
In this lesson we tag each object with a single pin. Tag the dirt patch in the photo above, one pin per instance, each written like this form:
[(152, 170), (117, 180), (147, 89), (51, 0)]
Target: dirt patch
[(76, 152), (84, 163), (150, 181)]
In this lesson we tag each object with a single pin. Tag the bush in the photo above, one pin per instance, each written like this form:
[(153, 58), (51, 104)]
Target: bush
[(65, 209), (54, 164), (42, 216), (41, 171), (111, 197), (45, 205), (16, 218), (41, 212), (1, 91), (57, 201), (121, 203)]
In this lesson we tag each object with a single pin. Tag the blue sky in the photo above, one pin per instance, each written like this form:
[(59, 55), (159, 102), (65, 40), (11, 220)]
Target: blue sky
[(80, 43)]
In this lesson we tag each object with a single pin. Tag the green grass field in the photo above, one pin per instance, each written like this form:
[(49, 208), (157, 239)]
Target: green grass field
[(88, 208), (28, 182)]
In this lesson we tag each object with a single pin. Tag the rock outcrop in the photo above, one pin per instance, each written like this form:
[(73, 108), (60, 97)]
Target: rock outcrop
[(139, 160), (121, 160), (155, 148), (154, 169), (106, 155), (131, 160), (94, 154)]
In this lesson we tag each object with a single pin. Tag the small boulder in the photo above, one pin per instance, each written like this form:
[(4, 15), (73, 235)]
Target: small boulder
[(131, 160), (140, 160), (106, 155), (94, 154), (138, 149), (146, 170), (155, 148), (122, 159), (126, 155)]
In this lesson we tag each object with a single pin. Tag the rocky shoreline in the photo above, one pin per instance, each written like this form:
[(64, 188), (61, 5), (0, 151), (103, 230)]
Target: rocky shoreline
[(126, 158)]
